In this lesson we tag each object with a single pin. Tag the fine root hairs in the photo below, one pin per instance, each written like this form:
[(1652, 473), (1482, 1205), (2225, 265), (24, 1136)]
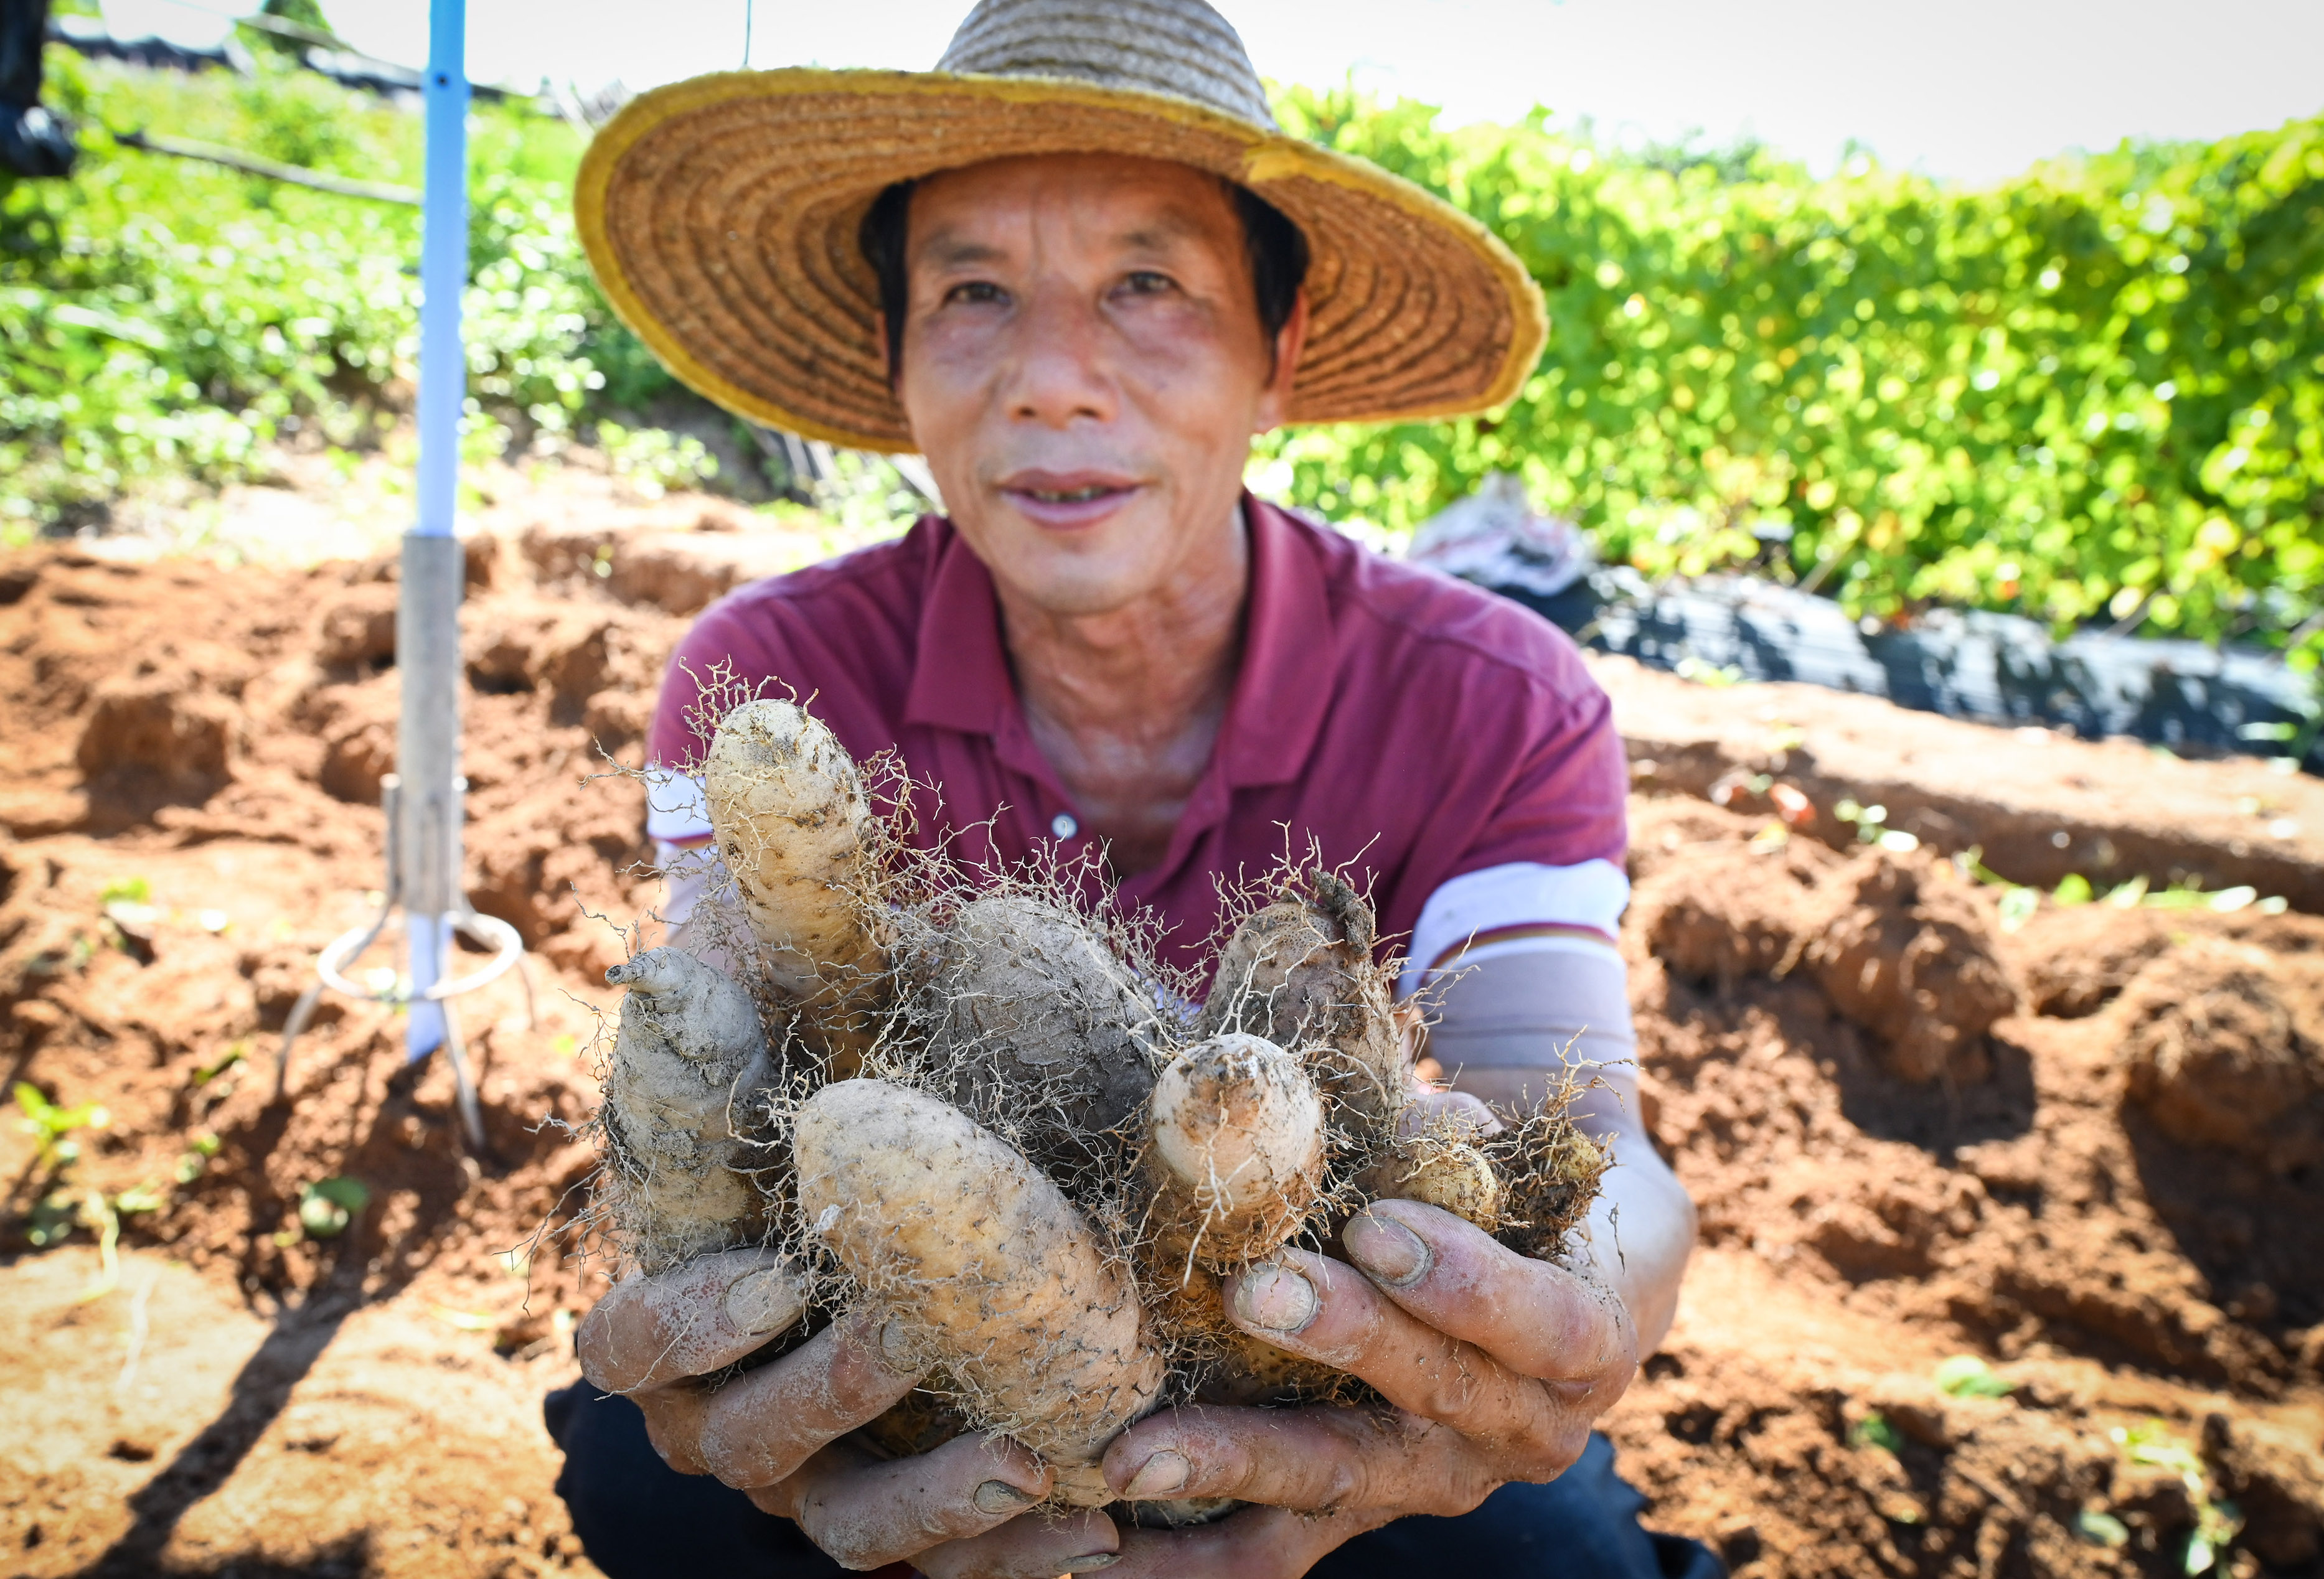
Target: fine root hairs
[(1549, 1171), (689, 1065), (1023, 1014), (981, 1257), (983, 1108), (1439, 1164), (1301, 972)]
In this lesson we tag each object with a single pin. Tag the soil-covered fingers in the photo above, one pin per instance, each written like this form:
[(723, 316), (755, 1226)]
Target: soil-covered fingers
[(1030, 1548), (674, 1425), (1315, 1460), (1315, 1306), (764, 1424), (1257, 1542), (867, 1513), (706, 1315), (1535, 1318)]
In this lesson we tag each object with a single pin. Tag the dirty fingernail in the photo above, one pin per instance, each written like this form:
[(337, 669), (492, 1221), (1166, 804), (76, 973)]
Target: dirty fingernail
[(764, 1302), (896, 1346), (1158, 1476), (1000, 1497), (1385, 1248), (1275, 1297), (1092, 1563)]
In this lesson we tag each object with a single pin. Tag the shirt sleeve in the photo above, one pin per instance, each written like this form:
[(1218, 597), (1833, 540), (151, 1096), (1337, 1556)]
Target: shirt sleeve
[(1532, 1011), (1519, 907), (1534, 863), (721, 649)]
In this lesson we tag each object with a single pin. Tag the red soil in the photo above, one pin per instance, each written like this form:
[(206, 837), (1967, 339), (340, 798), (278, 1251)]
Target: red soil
[(2086, 1151)]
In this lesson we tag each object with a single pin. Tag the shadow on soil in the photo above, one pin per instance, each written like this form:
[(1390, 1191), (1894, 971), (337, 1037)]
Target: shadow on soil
[(365, 1268)]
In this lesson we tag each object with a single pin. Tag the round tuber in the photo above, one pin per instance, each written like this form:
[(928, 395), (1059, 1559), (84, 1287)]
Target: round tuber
[(1237, 1151), (1300, 973)]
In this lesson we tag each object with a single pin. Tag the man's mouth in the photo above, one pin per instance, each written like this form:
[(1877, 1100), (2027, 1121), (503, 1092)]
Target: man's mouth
[(1066, 501)]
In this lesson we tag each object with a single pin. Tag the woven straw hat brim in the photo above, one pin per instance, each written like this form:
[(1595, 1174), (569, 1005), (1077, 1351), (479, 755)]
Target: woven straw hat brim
[(721, 214)]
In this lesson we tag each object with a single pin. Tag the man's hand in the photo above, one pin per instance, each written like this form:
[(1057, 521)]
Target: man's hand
[(779, 1431), (1496, 1366)]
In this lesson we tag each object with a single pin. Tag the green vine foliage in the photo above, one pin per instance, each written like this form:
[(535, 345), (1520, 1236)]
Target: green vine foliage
[(2095, 392), (164, 317)]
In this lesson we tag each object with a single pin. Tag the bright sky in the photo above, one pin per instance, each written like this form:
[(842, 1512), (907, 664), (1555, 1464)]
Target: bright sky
[(1973, 90)]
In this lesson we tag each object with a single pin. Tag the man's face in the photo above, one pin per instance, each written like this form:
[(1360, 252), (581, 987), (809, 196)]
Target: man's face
[(1084, 369)]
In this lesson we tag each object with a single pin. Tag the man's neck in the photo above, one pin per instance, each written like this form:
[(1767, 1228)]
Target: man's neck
[(1127, 704)]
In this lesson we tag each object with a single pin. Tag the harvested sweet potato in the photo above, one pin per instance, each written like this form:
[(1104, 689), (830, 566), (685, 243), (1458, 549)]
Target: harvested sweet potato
[(1300, 973), (1034, 1028), (689, 1065), (794, 829), (1237, 1151), (991, 1269)]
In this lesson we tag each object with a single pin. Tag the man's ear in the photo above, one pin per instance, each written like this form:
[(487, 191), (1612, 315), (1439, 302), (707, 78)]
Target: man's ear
[(1274, 401)]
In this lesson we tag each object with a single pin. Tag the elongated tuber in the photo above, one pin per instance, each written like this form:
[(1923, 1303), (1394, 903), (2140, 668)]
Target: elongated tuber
[(793, 828), (688, 1061), (986, 1263)]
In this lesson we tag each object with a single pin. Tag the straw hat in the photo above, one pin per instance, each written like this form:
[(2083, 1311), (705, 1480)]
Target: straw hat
[(721, 214)]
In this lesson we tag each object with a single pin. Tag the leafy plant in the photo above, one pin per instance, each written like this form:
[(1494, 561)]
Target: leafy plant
[(327, 1205), (2093, 393), (2217, 1521), (52, 1127), (1874, 1430), (653, 462)]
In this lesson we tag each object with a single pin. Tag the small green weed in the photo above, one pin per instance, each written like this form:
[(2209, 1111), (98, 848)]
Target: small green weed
[(53, 1126), (327, 1205), (2217, 1520), (1967, 1376), (1874, 1431)]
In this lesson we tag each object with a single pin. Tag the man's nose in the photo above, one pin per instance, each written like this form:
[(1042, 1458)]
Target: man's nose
[(1059, 376)]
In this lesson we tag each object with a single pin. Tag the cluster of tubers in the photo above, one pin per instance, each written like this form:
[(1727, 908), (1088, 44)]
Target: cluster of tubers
[(976, 1109)]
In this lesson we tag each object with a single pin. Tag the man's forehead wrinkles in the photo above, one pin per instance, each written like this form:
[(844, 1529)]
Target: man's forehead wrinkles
[(948, 244), (1087, 214)]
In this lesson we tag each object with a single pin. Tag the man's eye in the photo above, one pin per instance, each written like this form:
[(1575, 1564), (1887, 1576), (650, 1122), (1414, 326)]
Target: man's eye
[(1147, 282), (975, 290)]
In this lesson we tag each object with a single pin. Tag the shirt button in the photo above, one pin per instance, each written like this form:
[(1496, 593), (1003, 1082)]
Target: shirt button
[(1064, 826)]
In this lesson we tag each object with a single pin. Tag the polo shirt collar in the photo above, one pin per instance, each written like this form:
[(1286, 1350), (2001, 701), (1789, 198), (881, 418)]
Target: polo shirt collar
[(1288, 654), (961, 680)]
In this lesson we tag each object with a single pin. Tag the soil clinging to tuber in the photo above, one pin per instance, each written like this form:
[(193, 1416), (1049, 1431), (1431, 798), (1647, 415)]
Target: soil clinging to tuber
[(1014, 1133)]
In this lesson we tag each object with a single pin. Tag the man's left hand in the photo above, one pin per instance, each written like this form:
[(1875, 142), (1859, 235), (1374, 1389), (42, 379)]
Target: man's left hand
[(1496, 1366)]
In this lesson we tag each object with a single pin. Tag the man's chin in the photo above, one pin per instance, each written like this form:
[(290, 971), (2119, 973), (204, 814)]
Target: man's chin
[(1079, 597)]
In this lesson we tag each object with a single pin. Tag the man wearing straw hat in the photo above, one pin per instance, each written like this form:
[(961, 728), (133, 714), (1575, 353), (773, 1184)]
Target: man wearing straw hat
[(1079, 269)]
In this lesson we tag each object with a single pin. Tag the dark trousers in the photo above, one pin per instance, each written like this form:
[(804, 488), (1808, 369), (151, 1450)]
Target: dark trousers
[(641, 1519)]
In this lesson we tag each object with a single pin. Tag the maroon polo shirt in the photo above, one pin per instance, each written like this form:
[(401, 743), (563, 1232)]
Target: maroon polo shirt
[(1414, 728)]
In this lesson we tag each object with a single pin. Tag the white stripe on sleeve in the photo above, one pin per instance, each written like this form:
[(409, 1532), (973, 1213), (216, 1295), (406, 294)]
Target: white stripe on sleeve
[(1592, 895), (677, 811)]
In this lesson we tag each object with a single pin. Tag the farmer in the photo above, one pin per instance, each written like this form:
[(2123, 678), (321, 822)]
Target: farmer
[(1079, 270)]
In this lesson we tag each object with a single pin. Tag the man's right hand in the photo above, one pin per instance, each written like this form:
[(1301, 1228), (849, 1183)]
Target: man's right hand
[(781, 1432)]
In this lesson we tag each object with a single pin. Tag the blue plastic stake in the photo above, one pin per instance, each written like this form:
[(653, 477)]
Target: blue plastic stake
[(427, 613), (443, 268)]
